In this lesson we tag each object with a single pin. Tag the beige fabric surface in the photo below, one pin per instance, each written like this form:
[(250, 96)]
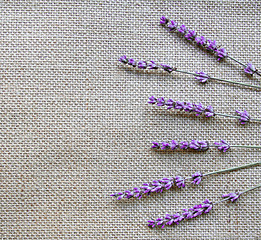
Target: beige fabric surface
[(76, 126)]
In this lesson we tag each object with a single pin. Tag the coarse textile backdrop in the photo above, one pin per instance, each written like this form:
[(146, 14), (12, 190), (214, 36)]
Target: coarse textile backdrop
[(76, 126)]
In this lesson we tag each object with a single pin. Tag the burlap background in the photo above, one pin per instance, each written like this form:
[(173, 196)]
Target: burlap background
[(76, 126)]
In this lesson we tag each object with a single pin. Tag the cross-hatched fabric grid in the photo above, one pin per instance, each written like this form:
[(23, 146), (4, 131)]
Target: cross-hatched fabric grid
[(76, 126)]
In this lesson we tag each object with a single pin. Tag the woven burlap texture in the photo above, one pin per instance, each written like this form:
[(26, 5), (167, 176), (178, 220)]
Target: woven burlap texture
[(76, 126)]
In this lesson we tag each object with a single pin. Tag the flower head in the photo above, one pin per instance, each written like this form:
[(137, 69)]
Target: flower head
[(232, 196), (199, 109), (223, 146), (180, 181), (152, 65), (191, 34), (155, 145), (172, 26), (165, 145), (212, 45), (142, 64), (123, 59), (200, 40), (170, 103), (179, 105), (152, 100), (174, 145), (182, 29), (160, 101), (183, 145), (202, 77), (250, 69), (209, 111), (167, 68), (244, 116), (163, 20), (199, 145), (132, 62), (197, 177), (221, 53), (189, 107)]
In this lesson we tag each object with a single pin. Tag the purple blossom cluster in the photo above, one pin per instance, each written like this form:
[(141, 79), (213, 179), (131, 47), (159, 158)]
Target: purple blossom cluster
[(194, 144), (250, 69), (186, 106), (232, 196), (190, 213), (244, 116), (191, 35), (223, 146)]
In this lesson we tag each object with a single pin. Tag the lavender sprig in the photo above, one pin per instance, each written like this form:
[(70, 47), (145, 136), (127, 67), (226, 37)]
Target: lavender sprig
[(222, 146), (196, 210), (200, 76), (199, 109), (208, 45), (166, 183)]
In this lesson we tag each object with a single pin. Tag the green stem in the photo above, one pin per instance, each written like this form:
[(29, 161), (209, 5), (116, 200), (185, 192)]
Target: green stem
[(252, 188), (242, 146), (232, 116), (237, 61), (232, 169)]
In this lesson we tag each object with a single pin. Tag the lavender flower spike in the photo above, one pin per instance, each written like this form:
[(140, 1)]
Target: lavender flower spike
[(250, 69), (202, 77), (223, 146), (199, 145), (244, 116), (232, 196)]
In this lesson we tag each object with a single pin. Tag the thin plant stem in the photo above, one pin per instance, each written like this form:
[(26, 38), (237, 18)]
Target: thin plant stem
[(245, 146), (232, 116), (252, 188)]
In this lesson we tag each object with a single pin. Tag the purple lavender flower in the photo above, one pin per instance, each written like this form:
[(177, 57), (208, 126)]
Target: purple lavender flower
[(199, 145), (197, 177), (142, 64), (160, 101), (170, 103), (155, 145), (193, 212), (167, 68), (209, 111), (244, 116), (182, 29), (152, 65), (152, 100), (172, 26), (212, 45), (189, 107), (132, 62), (203, 77), (221, 53), (223, 146), (163, 20), (232, 196), (174, 145), (198, 109), (157, 186), (200, 40), (183, 145), (250, 69), (123, 59), (180, 181), (179, 105), (165, 145), (190, 35)]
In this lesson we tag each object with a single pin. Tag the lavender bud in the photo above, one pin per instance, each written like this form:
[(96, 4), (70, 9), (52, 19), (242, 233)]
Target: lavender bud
[(172, 26), (165, 145), (223, 146), (132, 62), (183, 145), (209, 111), (180, 181), (152, 100), (244, 116), (152, 65), (179, 105), (155, 145), (250, 69), (197, 177), (200, 40), (163, 20), (212, 45), (160, 101), (189, 107), (142, 64), (170, 103), (190, 35), (198, 109), (199, 145), (174, 145), (123, 59), (182, 29), (232, 196), (167, 68), (221, 53), (203, 77)]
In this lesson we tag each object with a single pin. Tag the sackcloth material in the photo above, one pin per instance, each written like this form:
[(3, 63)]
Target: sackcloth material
[(76, 126)]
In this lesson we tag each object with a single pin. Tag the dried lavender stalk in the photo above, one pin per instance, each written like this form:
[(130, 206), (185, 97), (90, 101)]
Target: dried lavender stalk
[(222, 146), (160, 185), (196, 210), (202, 42), (200, 76), (199, 109)]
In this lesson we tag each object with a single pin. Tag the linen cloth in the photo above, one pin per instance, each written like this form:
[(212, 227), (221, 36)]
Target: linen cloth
[(76, 126)]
